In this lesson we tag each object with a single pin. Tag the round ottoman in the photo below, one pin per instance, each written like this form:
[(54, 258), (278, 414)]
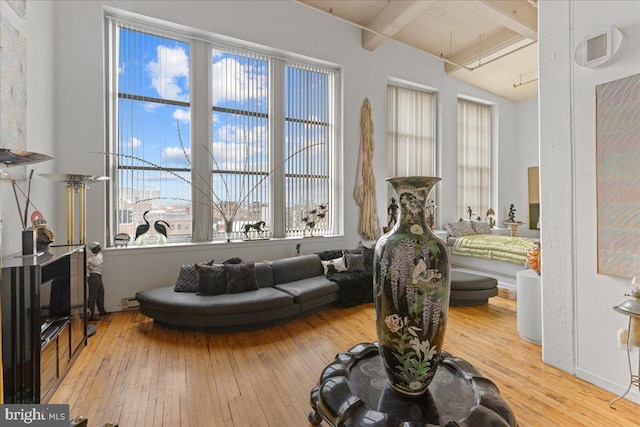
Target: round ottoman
[(471, 289)]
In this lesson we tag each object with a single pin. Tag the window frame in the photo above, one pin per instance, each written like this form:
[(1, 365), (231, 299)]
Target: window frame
[(201, 105)]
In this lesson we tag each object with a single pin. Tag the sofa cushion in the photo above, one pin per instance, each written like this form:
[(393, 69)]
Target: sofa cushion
[(166, 300), (264, 274), (212, 279), (354, 262), (187, 280), (296, 268), (240, 277), (308, 289)]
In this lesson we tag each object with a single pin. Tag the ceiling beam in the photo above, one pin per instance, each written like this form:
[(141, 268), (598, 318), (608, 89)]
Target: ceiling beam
[(517, 15), (484, 48), (393, 17)]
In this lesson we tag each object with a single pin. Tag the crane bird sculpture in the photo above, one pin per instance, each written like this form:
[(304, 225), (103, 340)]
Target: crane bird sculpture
[(161, 229), (142, 229)]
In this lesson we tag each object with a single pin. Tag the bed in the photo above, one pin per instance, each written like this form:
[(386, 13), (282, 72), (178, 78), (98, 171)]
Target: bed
[(474, 247)]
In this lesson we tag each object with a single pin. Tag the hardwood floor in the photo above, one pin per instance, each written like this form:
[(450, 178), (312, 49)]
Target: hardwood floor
[(140, 374)]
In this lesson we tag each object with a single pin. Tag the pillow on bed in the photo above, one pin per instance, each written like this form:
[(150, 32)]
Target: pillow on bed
[(481, 227), (460, 228)]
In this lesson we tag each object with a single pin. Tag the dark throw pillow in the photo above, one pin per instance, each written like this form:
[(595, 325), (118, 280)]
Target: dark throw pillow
[(234, 260), (355, 262), (368, 258), (212, 279), (187, 280), (241, 278)]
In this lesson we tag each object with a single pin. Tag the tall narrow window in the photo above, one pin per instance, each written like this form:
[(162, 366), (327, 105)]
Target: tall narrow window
[(411, 134), (153, 133), (474, 157), (309, 135), (240, 147)]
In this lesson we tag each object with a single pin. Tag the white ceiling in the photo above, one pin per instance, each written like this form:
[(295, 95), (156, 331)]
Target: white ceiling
[(491, 44)]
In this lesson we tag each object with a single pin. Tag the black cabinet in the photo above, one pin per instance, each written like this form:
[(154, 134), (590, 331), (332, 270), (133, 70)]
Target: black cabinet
[(44, 324)]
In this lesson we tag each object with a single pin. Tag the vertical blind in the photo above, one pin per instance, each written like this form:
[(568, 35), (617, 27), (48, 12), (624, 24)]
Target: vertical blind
[(261, 146), (474, 157), (411, 132), (309, 100), (240, 146), (153, 109)]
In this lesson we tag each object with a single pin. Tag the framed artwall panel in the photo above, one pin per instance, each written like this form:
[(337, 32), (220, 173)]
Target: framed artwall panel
[(618, 174), (534, 198)]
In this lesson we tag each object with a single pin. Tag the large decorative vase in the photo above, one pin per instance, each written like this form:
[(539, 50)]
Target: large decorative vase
[(411, 291)]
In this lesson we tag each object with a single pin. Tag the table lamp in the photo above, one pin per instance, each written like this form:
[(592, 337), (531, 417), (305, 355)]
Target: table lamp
[(631, 308)]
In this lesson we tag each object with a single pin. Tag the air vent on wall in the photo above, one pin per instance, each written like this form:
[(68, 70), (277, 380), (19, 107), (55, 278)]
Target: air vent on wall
[(598, 47)]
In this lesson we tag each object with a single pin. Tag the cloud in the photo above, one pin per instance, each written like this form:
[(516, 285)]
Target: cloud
[(168, 71), (150, 107), (133, 142), (176, 155), (235, 81), (182, 115)]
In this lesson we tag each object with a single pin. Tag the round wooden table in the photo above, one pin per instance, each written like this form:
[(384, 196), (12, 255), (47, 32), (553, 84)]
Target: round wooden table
[(354, 391)]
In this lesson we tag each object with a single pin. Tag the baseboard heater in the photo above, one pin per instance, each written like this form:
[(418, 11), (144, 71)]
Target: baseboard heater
[(129, 304)]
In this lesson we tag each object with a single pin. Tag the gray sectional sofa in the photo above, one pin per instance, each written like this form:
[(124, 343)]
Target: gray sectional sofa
[(288, 288)]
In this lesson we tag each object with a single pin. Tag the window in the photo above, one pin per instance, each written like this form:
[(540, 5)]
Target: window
[(202, 133), (474, 158), (411, 132)]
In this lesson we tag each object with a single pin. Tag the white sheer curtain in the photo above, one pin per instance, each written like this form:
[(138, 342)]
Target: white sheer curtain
[(474, 158), (411, 130)]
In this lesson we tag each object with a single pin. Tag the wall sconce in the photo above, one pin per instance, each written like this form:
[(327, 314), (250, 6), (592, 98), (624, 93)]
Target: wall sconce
[(631, 308)]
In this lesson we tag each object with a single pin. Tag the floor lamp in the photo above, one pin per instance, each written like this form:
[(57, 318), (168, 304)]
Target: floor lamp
[(9, 158), (75, 184)]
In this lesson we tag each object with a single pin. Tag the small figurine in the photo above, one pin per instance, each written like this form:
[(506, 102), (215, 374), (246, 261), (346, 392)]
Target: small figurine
[(314, 216), (470, 212), (258, 227), (512, 213), (392, 210), (96, 288), (161, 229), (142, 229), (298, 249)]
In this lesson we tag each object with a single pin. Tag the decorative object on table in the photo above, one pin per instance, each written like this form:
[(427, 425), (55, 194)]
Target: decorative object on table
[(411, 291), (533, 258), (314, 216), (431, 213), (227, 205), (365, 191), (490, 218), (44, 235), (470, 213), (392, 211), (617, 148), (121, 239), (511, 216), (142, 229), (258, 227), (631, 308), (161, 230), (75, 184), (511, 221), (353, 390)]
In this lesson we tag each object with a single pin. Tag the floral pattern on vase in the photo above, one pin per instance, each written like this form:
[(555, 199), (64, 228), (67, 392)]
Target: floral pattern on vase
[(411, 291)]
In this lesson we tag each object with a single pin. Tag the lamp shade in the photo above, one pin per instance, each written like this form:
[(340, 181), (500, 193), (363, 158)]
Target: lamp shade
[(630, 307), (10, 157)]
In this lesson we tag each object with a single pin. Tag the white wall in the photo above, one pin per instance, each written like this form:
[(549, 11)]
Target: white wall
[(281, 25), (37, 28), (579, 327)]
